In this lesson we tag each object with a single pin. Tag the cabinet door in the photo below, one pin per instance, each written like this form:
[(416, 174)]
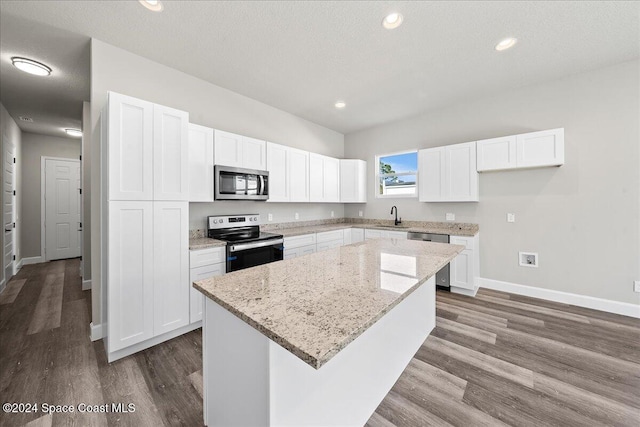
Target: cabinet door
[(347, 236), (431, 174), (171, 266), (196, 297), (461, 181), (496, 154), (227, 148), (461, 269), (400, 235), (130, 285), (298, 175), (545, 148), (170, 154), (277, 165), (357, 235), (353, 186), (372, 234), (200, 163), (316, 178), (331, 179), (254, 153), (130, 146)]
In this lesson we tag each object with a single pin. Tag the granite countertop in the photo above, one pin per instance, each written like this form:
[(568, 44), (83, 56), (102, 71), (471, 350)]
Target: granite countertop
[(451, 228), (315, 305), (204, 243)]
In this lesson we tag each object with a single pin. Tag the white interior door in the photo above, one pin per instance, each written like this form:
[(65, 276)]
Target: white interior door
[(62, 209), (8, 208)]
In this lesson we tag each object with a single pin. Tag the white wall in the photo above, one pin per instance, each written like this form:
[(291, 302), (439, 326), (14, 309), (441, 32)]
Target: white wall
[(582, 218), (113, 69), (34, 146), (10, 131), (86, 191)]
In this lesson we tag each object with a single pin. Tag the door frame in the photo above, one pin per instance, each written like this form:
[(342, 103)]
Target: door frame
[(14, 262), (43, 218)]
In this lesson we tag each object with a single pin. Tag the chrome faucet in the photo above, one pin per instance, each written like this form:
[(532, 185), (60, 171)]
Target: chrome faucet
[(396, 222)]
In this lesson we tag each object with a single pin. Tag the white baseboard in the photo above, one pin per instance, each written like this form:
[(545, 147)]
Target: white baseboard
[(86, 285), (610, 306), (32, 260), (19, 264), (467, 292), (2, 286), (96, 332)]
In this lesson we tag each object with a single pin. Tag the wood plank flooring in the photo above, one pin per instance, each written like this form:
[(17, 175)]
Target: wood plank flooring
[(497, 359)]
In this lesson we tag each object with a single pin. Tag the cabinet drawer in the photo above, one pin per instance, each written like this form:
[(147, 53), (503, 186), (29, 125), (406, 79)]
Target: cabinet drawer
[(329, 245), (467, 242), (372, 234), (402, 235), (297, 252), (204, 257), (297, 241), (329, 236)]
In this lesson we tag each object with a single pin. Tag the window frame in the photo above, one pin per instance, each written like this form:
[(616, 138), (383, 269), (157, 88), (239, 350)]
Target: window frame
[(378, 176)]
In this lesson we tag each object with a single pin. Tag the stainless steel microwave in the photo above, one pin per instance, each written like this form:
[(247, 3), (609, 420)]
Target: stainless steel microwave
[(240, 184)]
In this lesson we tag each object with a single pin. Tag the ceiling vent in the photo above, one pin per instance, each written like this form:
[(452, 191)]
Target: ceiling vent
[(26, 119)]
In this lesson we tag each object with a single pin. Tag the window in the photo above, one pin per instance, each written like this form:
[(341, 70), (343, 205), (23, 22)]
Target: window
[(397, 174)]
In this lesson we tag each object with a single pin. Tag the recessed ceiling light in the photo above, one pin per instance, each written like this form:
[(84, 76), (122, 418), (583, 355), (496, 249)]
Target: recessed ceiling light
[(73, 132), (392, 20), (506, 43), (30, 66), (340, 105), (26, 119), (154, 5)]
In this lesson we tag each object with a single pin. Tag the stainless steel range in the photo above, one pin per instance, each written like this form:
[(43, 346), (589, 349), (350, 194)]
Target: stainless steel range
[(247, 246)]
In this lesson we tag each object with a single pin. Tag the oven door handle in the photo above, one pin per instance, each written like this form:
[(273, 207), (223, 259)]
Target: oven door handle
[(246, 246)]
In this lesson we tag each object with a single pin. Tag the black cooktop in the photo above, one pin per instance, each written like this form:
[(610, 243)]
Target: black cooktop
[(242, 235)]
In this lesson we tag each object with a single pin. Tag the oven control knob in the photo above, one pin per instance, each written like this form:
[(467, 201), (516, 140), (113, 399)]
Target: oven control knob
[(215, 221), (255, 218)]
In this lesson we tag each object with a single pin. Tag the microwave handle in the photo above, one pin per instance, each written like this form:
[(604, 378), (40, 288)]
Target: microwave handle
[(260, 184)]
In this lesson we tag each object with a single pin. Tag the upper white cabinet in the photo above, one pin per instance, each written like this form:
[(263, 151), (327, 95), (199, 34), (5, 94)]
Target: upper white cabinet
[(324, 178), (535, 149), (130, 148), (239, 151), (200, 163), (448, 174), (147, 150), (353, 181), (288, 173), (170, 154)]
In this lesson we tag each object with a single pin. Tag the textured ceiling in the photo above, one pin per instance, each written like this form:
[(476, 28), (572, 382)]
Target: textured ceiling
[(303, 56)]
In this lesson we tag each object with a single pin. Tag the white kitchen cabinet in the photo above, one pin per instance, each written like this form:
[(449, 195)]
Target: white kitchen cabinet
[(353, 181), (298, 252), (324, 179), (448, 174), (170, 154), (200, 163), (324, 246), (357, 235), (130, 147), (464, 269), (239, 151), (534, 149), (384, 234), (496, 153), (130, 288), (537, 149), (347, 236), (171, 266), (203, 263), (296, 246), (392, 234), (329, 240), (288, 173), (372, 234)]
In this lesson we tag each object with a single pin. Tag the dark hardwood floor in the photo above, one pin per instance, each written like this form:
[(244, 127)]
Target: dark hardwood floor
[(497, 359)]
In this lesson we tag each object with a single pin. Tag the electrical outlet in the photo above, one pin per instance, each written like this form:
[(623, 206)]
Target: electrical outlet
[(332, 214), (360, 213), (528, 259), (636, 286), (270, 217), (450, 217), (511, 217), (297, 216)]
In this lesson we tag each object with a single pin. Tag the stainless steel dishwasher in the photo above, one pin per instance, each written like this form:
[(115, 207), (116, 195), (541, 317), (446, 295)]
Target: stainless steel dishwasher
[(442, 276)]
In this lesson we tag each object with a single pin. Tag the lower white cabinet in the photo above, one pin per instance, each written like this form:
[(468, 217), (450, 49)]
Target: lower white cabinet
[(528, 150), (329, 240), (323, 246), (204, 263), (465, 268), (357, 235), (384, 234), (146, 290), (296, 246)]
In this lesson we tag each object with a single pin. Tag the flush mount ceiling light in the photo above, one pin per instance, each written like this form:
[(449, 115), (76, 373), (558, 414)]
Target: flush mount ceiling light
[(340, 105), (73, 132), (392, 20), (26, 119), (30, 66), (506, 43), (154, 5)]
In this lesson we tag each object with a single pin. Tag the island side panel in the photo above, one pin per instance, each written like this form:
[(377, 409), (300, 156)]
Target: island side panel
[(348, 389), (235, 370)]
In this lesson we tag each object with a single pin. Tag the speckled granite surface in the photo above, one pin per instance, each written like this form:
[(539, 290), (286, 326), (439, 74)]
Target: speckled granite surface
[(315, 305), (204, 243)]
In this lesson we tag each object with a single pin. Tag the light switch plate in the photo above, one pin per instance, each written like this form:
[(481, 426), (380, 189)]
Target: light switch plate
[(511, 217), (636, 286), (332, 214), (270, 217), (450, 217), (360, 213)]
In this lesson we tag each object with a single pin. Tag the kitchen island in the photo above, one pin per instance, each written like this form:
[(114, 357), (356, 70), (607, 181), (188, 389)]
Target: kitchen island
[(320, 339)]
